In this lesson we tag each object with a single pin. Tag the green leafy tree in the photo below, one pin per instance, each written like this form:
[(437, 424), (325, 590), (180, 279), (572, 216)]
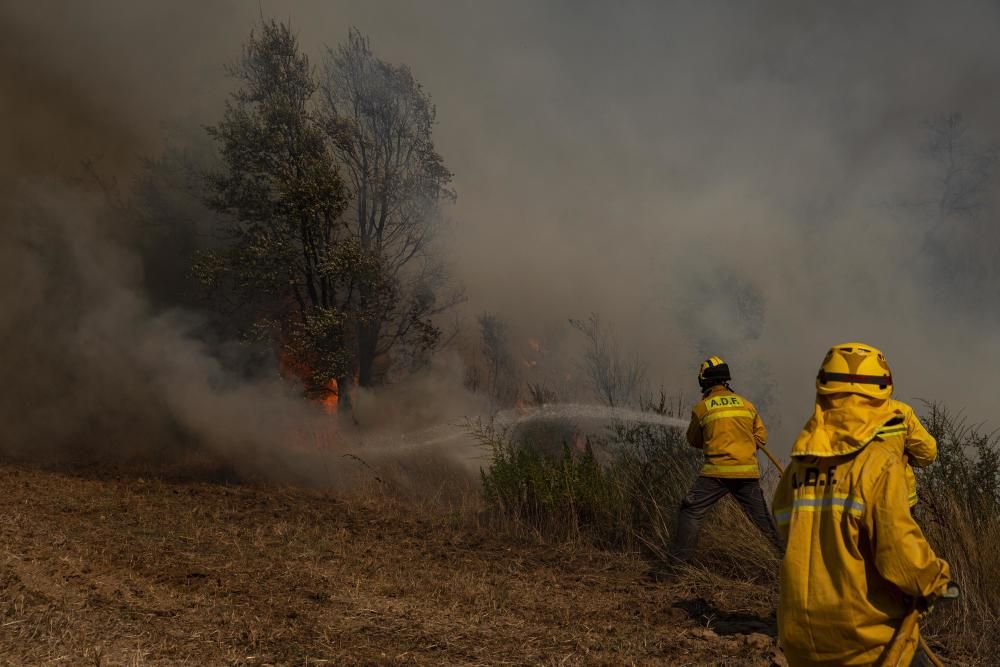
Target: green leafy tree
[(328, 205), (285, 255)]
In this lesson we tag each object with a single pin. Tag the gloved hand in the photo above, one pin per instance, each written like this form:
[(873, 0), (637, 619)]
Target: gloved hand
[(949, 591)]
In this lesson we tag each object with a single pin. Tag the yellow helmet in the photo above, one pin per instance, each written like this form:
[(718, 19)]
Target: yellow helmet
[(855, 368), (713, 371)]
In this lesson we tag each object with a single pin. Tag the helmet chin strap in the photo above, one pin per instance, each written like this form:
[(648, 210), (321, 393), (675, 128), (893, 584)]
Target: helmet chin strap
[(705, 390)]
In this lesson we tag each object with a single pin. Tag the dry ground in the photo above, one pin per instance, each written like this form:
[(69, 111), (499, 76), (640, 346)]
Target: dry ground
[(131, 571)]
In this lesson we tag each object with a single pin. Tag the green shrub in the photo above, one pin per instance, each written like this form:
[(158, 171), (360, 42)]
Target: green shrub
[(621, 490), (567, 494), (967, 468)]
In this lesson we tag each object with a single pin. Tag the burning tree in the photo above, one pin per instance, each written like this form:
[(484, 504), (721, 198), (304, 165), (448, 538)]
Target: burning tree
[(332, 290)]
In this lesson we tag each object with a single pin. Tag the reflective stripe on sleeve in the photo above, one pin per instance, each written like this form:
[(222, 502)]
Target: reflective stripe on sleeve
[(723, 414), (824, 504)]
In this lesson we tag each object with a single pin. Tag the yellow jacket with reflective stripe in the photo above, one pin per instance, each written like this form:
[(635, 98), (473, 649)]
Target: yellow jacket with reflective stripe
[(853, 549), (919, 446), (727, 427)]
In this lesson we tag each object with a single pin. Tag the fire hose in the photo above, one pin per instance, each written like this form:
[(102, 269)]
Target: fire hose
[(894, 654), (908, 627), (763, 448)]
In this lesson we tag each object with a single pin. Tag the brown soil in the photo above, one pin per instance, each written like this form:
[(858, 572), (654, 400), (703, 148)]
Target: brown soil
[(97, 571)]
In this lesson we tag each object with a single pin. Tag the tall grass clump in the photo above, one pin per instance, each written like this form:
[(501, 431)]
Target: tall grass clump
[(959, 511)]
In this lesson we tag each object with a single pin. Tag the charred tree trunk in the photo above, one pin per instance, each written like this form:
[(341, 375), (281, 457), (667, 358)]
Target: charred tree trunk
[(344, 407), (367, 349)]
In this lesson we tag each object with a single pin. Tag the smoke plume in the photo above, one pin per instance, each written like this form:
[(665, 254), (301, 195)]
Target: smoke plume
[(747, 180)]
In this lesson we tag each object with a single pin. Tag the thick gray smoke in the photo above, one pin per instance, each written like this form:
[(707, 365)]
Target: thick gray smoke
[(742, 179), (96, 373)]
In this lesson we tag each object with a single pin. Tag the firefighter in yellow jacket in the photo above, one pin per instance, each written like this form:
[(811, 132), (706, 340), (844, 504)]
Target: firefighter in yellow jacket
[(855, 558), (728, 428), (919, 447)]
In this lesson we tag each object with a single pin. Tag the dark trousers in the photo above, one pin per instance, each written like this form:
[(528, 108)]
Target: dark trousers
[(709, 490)]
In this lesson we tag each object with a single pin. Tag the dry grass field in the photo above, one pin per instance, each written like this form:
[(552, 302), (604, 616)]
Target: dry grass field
[(122, 570)]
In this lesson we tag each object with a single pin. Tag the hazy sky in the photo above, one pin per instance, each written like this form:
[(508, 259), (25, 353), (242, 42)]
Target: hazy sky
[(723, 178)]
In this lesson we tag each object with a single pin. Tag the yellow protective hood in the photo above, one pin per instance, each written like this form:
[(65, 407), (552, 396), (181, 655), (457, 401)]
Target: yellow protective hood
[(843, 423)]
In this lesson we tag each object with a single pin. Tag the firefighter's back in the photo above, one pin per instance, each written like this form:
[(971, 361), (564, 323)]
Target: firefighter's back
[(825, 504), (730, 428)]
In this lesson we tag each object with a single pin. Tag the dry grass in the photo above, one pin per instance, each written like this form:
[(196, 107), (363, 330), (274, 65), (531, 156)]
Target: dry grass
[(971, 625), (959, 511), (132, 571), (110, 568)]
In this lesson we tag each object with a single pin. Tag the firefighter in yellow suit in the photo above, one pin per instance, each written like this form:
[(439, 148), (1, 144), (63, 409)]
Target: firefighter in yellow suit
[(919, 446), (855, 559), (728, 428)]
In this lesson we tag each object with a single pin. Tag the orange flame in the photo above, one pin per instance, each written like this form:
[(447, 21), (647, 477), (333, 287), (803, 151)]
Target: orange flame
[(290, 367), (330, 401)]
